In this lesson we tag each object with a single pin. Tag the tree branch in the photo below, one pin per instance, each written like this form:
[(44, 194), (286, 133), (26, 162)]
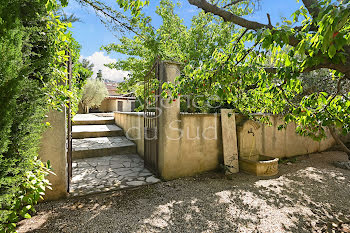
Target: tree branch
[(245, 55), (285, 96), (342, 68), (337, 139), (230, 17), (227, 16), (334, 96), (312, 7), (108, 15), (269, 19), (232, 3), (239, 38)]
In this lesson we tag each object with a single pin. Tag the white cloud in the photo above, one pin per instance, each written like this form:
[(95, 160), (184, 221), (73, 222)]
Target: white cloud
[(99, 59)]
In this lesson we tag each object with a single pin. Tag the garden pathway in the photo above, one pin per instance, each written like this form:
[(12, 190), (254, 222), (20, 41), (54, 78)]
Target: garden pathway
[(108, 173), (308, 195), (103, 158)]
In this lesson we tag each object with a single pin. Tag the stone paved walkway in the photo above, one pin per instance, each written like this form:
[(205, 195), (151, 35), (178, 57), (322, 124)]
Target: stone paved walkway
[(100, 174), (100, 143)]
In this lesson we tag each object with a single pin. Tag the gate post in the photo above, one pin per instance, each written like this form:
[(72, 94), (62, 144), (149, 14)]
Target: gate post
[(53, 149), (169, 125)]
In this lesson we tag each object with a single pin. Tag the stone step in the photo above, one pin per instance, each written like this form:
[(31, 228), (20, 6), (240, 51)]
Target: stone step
[(101, 121), (102, 146), (93, 131), (93, 119)]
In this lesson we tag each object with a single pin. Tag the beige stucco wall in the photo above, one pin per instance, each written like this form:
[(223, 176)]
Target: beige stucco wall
[(133, 126), (198, 147), (127, 105), (108, 105), (255, 138), (111, 105), (200, 141), (200, 144), (53, 149), (192, 143)]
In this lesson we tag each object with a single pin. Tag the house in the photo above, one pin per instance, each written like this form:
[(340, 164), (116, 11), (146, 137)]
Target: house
[(122, 103), (115, 102)]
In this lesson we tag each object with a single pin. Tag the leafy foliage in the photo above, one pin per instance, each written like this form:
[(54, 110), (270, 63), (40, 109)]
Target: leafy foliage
[(242, 75), (133, 5), (32, 72), (171, 41)]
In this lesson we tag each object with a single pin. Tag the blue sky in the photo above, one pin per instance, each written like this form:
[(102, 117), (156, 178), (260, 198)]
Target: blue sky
[(92, 34)]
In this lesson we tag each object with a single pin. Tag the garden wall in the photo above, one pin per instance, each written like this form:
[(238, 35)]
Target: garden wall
[(110, 104), (198, 145), (133, 126), (53, 149), (260, 139)]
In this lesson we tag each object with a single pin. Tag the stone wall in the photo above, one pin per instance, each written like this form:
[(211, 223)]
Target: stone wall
[(111, 105), (192, 143), (200, 144), (260, 139), (196, 148), (53, 149), (133, 126), (197, 144), (108, 105)]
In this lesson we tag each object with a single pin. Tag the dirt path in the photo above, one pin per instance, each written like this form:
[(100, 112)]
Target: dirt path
[(304, 197)]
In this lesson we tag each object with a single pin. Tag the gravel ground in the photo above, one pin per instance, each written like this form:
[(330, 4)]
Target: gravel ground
[(306, 196)]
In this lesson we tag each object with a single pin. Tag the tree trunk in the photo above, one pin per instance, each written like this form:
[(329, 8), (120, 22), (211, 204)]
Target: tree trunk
[(337, 139), (86, 109)]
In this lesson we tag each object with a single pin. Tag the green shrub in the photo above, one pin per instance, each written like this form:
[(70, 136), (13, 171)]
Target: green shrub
[(30, 191), (32, 56)]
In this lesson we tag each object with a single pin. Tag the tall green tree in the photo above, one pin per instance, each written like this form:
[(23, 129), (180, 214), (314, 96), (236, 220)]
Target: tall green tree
[(171, 41), (242, 73), (33, 43), (99, 75), (87, 64), (83, 71)]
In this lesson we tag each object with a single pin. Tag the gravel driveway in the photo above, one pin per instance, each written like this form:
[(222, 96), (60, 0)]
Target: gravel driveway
[(306, 196)]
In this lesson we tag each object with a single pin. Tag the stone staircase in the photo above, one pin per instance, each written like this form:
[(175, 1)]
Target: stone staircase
[(98, 137)]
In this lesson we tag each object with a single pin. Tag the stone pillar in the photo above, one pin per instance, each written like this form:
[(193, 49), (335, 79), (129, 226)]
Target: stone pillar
[(229, 141), (53, 149), (169, 126)]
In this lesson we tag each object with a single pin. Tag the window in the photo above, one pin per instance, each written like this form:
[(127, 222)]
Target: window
[(120, 106), (133, 106)]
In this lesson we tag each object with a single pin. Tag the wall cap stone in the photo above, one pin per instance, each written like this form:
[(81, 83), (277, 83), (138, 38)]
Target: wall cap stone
[(130, 113), (199, 114)]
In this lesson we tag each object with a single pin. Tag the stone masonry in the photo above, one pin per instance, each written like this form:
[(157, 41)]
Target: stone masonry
[(107, 173), (106, 160)]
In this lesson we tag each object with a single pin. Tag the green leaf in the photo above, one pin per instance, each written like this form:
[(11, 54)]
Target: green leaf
[(287, 62), (332, 51), (64, 3)]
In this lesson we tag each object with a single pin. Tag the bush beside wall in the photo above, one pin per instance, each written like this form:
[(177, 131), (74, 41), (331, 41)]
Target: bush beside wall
[(29, 77)]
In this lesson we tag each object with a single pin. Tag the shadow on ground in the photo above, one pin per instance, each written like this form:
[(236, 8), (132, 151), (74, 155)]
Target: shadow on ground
[(305, 197)]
